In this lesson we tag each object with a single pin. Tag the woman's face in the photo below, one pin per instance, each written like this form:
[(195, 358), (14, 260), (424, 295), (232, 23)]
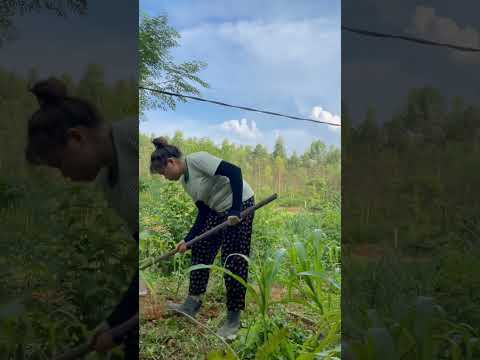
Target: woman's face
[(78, 160), (173, 170)]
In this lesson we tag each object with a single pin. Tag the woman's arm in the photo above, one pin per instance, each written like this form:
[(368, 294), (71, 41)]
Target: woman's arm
[(234, 174), (199, 221), (127, 307)]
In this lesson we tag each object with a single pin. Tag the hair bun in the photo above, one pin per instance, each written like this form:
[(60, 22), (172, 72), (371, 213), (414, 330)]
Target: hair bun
[(50, 91), (160, 142)]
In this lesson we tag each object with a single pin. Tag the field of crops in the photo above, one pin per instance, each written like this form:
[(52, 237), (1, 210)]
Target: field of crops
[(65, 263), (293, 298), (65, 257), (411, 230), (410, 307)]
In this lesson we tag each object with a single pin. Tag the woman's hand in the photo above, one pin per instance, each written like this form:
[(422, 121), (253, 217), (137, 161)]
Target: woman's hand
[(102, 340), (182, 246), (233, 220), (233, 217)]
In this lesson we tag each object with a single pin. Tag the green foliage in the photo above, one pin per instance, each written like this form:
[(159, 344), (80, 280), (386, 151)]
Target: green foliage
[(422, 332), (294, 263), (62, 259), (67, 257), (424, 218), (279, 149), (156, 66), (166, 213), (311, 183)]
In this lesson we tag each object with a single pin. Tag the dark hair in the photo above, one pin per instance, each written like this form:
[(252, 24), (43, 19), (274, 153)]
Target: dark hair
[(163, 151), (58, 112)]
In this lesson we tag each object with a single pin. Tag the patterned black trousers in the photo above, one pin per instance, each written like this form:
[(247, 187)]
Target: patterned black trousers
[(232, 240)]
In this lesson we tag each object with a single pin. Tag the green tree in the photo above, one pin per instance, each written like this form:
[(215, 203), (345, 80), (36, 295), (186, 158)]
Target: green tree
[(333, 156), (178, 139), (279, 149), (228, 150), (425, 108), (259, 156), (123, 101), (260, 152), (369, 130), (68, 81), (317, 151), (279, 164), (294, 160), (32, 77), (157, 69), (92, 85)]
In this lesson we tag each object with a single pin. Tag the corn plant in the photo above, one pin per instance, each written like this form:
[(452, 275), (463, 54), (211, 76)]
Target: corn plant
[(421, 333), (316, 266), (264, 277)]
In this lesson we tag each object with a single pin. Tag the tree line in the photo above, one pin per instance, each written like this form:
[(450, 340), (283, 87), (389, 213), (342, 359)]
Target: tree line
[(300, 179), (411, 177), (115, 101)]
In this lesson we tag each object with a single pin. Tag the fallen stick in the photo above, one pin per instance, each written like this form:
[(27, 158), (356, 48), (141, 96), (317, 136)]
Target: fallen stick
[(210, 232), (195, 321), (303, 318), (87, 348)]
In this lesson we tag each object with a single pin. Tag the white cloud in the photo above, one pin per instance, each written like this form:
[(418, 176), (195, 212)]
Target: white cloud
[(242, 129), (311, 41), (268, 63), (186, 13), (320, 114), (296, 138), (427, 24)]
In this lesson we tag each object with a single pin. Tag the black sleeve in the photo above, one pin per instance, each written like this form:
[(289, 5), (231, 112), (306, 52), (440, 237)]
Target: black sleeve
[(128, 306), (234, 174), (199, 221)]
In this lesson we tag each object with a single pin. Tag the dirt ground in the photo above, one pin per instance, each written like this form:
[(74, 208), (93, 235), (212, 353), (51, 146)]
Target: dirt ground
[(374, 252), (151, 308)]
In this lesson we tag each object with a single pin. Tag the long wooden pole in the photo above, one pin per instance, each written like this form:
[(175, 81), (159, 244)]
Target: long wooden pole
[(210, 232), (122, 329), (86, 348)]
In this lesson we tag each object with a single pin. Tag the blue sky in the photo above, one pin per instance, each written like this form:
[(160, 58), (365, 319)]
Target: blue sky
[(277, 55)]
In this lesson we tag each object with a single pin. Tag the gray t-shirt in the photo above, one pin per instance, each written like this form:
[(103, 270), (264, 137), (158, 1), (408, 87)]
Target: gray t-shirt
[(123, 195), (201, 183)]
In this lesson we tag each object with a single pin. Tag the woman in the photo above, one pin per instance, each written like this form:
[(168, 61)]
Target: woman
[(68, 133), (220, 194)]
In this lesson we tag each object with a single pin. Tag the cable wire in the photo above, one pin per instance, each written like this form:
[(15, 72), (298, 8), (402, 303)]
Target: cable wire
[(239, 107), (345, 28), (410, 38)]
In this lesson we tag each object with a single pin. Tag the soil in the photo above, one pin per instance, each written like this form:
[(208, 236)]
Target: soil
[(375, 252), (150, 308), (278, 293), (154, 309), (369, 250), (210, 311), (293, 210)]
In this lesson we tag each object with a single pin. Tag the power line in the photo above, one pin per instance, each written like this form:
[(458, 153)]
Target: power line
[(239, 107), (411, 39)]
